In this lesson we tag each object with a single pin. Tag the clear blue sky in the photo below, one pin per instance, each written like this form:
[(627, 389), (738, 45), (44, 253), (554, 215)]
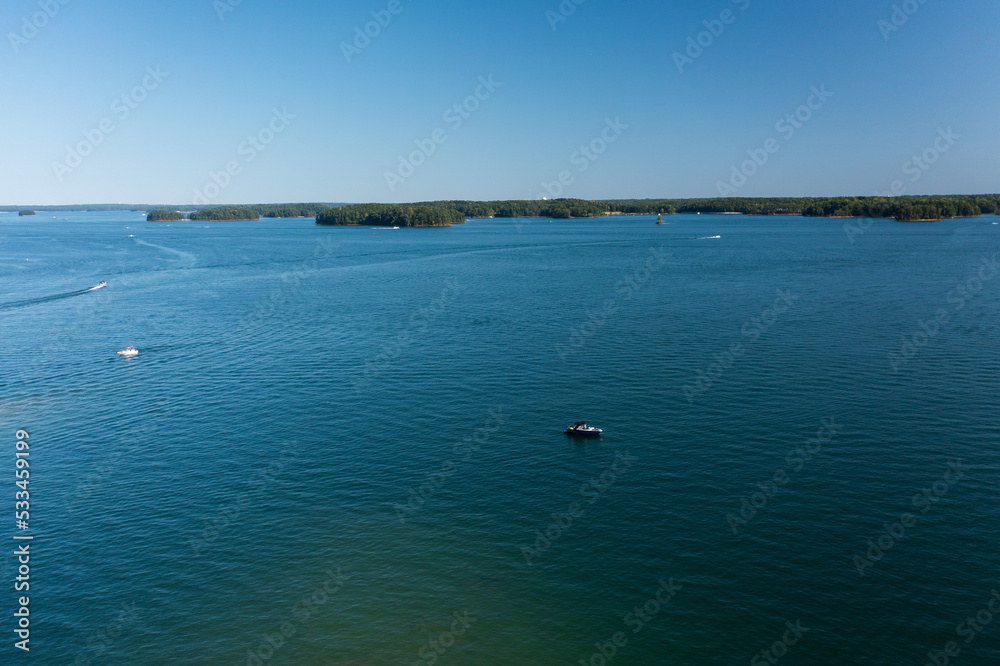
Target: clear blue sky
[(686, 130)]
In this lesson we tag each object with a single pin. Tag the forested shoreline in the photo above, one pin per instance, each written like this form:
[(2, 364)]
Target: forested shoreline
[(226, 214), (390, 215), (904, 209), (164, 215), (554, 208), (444, 213)]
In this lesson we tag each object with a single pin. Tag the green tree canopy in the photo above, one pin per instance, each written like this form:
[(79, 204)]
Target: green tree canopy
[(226, 214), (391, 215), (163, 215)]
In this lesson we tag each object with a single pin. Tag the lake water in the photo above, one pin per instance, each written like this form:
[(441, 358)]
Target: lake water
[(351, 435)]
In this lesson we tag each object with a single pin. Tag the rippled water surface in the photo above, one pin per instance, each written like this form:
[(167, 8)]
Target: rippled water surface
[(349, 435)]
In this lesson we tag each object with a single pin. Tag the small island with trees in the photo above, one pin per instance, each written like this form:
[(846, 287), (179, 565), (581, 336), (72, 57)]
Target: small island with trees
[(226, 214), (237, 213), (163, 215), (26, 213), (290, 210)]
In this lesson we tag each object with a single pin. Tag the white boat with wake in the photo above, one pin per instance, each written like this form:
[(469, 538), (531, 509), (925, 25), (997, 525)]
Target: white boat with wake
[(128, 352)]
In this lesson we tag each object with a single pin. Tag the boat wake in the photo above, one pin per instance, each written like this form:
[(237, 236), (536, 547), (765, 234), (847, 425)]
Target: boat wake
[(46, 299), (707, 237), (187, 257)]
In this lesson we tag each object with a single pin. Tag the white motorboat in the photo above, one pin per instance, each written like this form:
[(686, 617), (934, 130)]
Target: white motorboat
[(581, 429), (129, 352)]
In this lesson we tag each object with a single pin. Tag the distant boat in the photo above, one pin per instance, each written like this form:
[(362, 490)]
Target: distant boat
[(659, 219), (581, 429), (101, 285), (129, 352)]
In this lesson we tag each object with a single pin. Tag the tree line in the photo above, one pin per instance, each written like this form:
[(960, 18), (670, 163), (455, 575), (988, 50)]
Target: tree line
[(291, 210), (225, 214), (905, 209), (250, 212), (163, 215), (391, 215), (554, 208)]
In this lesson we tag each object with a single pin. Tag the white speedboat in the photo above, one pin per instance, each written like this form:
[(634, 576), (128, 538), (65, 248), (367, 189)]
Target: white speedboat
[(129, 352), (581, 429), (100, 285)]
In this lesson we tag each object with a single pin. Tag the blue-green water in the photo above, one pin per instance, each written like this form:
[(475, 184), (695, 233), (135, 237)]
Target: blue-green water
[(371, 419)]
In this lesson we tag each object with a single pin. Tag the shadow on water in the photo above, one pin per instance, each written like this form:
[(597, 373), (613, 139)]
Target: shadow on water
[(45, 299)]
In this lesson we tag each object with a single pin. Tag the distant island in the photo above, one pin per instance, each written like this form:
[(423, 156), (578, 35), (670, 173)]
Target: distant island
[(390, 215), (214, 214), (903, 209), (446, 213), (292, 210), (255, 212), (226, 214), (562, 209), (163, 215), (26, 213)]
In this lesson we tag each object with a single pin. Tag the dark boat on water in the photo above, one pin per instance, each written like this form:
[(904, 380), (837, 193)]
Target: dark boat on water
[(581, 429)]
